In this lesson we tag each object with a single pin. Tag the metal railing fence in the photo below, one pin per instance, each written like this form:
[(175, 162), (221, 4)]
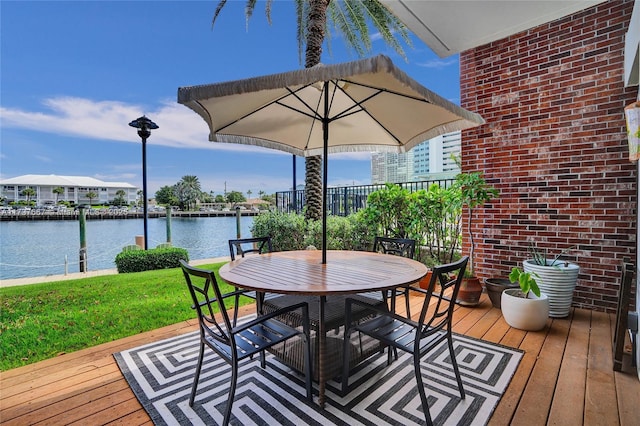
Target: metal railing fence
[(344, 200)]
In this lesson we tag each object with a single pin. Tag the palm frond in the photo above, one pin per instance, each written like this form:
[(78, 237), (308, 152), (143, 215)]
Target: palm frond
[(301, 13), (219, 7)]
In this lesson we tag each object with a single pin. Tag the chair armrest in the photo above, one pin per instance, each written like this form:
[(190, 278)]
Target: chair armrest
[(304, 306)]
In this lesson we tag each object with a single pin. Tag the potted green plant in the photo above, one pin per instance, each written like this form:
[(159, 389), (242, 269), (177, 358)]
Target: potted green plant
[(556, 278), (474, 193), (526, 307)]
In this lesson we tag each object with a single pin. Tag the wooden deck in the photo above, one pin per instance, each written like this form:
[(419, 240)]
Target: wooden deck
[(565, 377)]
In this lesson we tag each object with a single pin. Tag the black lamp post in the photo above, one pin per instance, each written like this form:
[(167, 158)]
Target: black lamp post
[(144, 126)]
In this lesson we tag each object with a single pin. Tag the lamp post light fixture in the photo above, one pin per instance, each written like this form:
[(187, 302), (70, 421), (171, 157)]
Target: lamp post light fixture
[(144, 126)]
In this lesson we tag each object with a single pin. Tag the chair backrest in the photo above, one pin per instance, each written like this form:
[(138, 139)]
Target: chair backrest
[(206, 295), (243, 246), (397, 246), (622, 313), (437, 310)]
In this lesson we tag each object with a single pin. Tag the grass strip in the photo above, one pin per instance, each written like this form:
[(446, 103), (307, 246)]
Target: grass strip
[(41, 321)]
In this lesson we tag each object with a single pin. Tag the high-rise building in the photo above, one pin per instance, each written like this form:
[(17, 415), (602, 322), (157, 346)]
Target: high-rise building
[(392, 167), (428, 160)]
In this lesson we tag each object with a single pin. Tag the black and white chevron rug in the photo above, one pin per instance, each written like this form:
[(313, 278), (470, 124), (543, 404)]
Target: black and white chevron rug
[(161, 374)]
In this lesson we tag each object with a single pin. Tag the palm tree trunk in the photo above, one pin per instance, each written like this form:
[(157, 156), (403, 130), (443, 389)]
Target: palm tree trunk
[(316, 24)]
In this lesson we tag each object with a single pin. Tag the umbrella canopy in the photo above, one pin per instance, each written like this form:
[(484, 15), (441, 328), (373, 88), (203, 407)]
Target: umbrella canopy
[(365, 105)]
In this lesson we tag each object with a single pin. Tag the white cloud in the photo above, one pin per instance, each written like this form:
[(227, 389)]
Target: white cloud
[(115, 177), (179, 127), (351, 156), (44, 159), (438, 63)]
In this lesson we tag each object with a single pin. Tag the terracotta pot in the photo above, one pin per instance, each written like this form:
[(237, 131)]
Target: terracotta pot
[(495, 287), (470, 291), (424, 282)]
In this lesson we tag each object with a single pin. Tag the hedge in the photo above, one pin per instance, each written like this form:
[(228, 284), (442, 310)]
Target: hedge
[(147, 260)]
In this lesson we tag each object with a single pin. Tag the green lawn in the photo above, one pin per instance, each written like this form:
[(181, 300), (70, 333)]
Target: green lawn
[(40, 321)]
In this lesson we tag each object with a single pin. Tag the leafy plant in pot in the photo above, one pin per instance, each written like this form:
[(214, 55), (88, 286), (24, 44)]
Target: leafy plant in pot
[(556, 278), (525, 308), (474, 192)]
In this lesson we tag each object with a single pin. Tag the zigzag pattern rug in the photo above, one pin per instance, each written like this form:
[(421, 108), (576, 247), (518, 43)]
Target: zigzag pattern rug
[(161, 374)]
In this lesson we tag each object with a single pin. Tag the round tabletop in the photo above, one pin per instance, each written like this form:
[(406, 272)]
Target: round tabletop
[(302, 272)]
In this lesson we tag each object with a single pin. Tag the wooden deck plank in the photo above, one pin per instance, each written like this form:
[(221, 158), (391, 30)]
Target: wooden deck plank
[(137, 418), (52, 365), (58, 407), (601, 405), (628, 397), (462, 324), (537, 397), (569, 409), (51, 398), (114, 410), (81, 415), (498, 331), (514, 337), (34, 389), (484, 324), (531, 345)]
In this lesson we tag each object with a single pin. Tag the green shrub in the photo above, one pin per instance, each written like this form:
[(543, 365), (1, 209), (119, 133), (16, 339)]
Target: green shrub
[(343, 233), (287, 231), (432, 217), (293, 232), (148, 260), (388, 211)]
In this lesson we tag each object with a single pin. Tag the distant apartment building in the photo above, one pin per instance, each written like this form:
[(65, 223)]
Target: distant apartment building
[(391, 167), (75, 189), (431, 159)]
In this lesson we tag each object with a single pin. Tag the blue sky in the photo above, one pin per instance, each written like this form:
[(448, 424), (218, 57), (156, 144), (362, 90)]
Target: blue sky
[(74, 74)]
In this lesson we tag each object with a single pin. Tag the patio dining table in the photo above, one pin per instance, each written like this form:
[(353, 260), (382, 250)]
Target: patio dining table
[(303, 273)]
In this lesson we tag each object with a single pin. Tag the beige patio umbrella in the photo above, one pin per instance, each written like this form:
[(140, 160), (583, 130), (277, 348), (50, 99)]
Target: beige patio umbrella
[(364, 105)]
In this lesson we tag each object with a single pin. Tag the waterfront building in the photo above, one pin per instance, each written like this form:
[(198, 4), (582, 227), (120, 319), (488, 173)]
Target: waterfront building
[(431, 159), (75, 189)]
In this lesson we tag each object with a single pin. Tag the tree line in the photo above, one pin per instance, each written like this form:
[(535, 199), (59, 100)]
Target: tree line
[(187, 193)]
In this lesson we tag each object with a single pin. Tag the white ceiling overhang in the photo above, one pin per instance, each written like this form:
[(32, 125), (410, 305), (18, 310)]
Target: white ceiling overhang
[(632, 49), (450, 27)]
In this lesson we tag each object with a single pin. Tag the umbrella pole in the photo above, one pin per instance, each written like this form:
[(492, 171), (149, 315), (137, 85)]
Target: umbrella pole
[(294, 203), (325, 152)]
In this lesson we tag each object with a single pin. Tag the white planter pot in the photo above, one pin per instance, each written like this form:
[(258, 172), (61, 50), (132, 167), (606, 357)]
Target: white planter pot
[(557, 282), (525, 314)]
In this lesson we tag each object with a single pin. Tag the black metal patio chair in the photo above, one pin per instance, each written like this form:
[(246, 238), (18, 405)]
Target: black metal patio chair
[(415, 337), (235, 343), (405, 247), (242, 246)]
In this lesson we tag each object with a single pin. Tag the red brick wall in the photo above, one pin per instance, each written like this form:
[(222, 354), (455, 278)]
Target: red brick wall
[(555, 146)]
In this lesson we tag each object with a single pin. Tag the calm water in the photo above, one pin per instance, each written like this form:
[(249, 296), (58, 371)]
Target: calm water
[(37, 248)]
